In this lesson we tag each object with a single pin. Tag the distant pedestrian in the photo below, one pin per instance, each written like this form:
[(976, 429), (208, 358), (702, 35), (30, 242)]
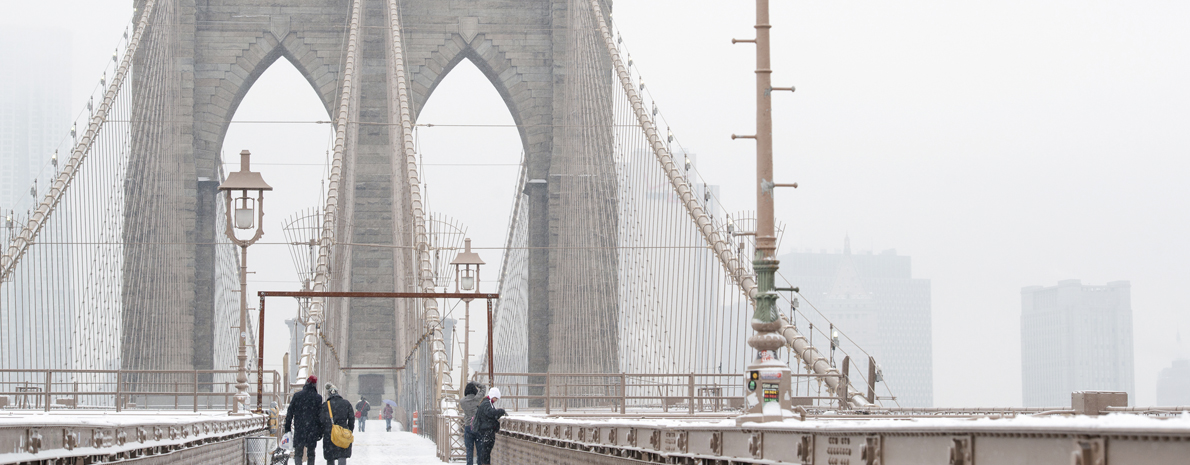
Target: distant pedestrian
[(363, 407), (336, 411), (302, 418), (470, 402), (487, 423), (387, 415)]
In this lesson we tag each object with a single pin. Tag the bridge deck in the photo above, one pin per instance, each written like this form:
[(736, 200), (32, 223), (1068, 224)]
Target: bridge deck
[(375, 447)]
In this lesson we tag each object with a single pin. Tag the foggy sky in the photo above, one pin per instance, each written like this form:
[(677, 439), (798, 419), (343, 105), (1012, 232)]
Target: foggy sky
[(1000, 144)]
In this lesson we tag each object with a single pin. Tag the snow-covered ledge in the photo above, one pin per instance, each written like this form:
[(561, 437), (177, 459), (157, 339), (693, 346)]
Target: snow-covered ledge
[(27, 436)]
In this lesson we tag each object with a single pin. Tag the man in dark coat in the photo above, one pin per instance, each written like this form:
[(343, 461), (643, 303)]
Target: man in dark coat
[(344, 416), (302, 419), (363, 407), (487, 423)]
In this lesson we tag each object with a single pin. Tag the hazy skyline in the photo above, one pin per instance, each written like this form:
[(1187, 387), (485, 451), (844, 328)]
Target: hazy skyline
[(999, 144)]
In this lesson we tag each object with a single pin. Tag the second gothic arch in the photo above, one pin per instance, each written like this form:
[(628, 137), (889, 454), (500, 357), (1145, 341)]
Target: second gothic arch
[(493, 62)]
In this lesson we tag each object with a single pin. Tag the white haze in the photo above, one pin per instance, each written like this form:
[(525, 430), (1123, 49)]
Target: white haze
[(1001, 144)]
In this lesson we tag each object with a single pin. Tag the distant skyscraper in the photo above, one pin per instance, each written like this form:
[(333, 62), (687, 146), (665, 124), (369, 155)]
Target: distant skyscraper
[(34, 109), (1173, 385), (36, 324), (1075, 338), (876, 303)]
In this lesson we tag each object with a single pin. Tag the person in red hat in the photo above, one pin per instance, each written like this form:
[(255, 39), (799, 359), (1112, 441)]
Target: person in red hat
[(302, 418)]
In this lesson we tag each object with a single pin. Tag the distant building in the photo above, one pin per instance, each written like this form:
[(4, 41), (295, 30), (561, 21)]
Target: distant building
[(1075, 338), (34, 110), (877, 303), (34, 119), (1173, 384)]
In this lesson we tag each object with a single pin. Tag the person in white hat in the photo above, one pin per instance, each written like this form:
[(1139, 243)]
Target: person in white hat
[(487, 423)]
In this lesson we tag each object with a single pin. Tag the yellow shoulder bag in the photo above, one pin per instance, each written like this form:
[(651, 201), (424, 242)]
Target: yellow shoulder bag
[(340, 436)]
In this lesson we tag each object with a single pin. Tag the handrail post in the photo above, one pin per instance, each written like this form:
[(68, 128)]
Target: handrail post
[(547, 394), (195, 391), (690, 391), (49, 376), (623, 394), (119, 380)]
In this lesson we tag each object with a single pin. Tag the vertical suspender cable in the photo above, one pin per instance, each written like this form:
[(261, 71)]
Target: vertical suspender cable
[(322, 270)]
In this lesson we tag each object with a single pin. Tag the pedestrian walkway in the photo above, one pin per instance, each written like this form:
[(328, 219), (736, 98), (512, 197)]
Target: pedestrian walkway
[(376, 447)]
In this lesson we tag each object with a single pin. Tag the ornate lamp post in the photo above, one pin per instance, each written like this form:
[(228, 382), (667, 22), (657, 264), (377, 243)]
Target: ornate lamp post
[(767, 393), (244, 212), (467, 280)]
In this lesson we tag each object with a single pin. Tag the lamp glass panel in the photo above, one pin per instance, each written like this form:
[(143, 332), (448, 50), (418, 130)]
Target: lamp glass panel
[(244, 218), (467, 282)]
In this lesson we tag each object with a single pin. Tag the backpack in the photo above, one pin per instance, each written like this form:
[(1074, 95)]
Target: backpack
[(340, 436)]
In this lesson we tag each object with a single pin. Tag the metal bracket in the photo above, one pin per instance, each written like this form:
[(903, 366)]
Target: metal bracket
[(870, 451), (961, 451), (805, 447), (756, 445), (1088, 451)]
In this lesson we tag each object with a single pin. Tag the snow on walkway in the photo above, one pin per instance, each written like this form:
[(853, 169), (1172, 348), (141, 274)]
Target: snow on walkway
[(375, 446)]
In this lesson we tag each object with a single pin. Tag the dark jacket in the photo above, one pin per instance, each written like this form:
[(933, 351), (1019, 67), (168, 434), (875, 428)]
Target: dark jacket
[(487, 419), (470, 404), (387, 413), (302, 416), (363, 408), (345, 417)]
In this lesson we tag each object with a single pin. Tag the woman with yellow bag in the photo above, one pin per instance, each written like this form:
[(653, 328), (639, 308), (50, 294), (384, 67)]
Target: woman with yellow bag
[(338, 419)]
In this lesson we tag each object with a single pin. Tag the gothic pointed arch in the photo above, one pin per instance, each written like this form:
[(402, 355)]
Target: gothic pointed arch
[(219, 91), (528, 110)]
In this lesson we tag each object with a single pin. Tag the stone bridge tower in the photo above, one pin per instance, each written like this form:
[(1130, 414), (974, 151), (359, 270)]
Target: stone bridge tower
[(527, 48)]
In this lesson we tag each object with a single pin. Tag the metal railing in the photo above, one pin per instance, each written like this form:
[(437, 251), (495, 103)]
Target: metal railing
[(652, 393), (448, 436), (128, 389)]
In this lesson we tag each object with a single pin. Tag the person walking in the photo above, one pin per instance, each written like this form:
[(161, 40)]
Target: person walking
[(387, 415), (363, 407), (470, 403), (303, 420), (335, 411), (487, 423)]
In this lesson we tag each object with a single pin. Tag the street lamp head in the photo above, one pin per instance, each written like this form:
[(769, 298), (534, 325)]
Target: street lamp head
[(466, 277), (244, 209)]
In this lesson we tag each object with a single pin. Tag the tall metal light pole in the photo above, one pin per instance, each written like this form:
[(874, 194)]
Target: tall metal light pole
[(467, 279), (243, 212), (766, 381)]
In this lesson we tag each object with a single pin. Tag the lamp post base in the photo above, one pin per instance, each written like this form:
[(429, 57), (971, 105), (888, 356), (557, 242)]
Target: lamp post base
[(767, 391), (240, 404)]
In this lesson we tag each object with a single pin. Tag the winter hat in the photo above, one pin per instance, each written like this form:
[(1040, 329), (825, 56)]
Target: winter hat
[(494, 393), (331, 389), (312, 380)]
